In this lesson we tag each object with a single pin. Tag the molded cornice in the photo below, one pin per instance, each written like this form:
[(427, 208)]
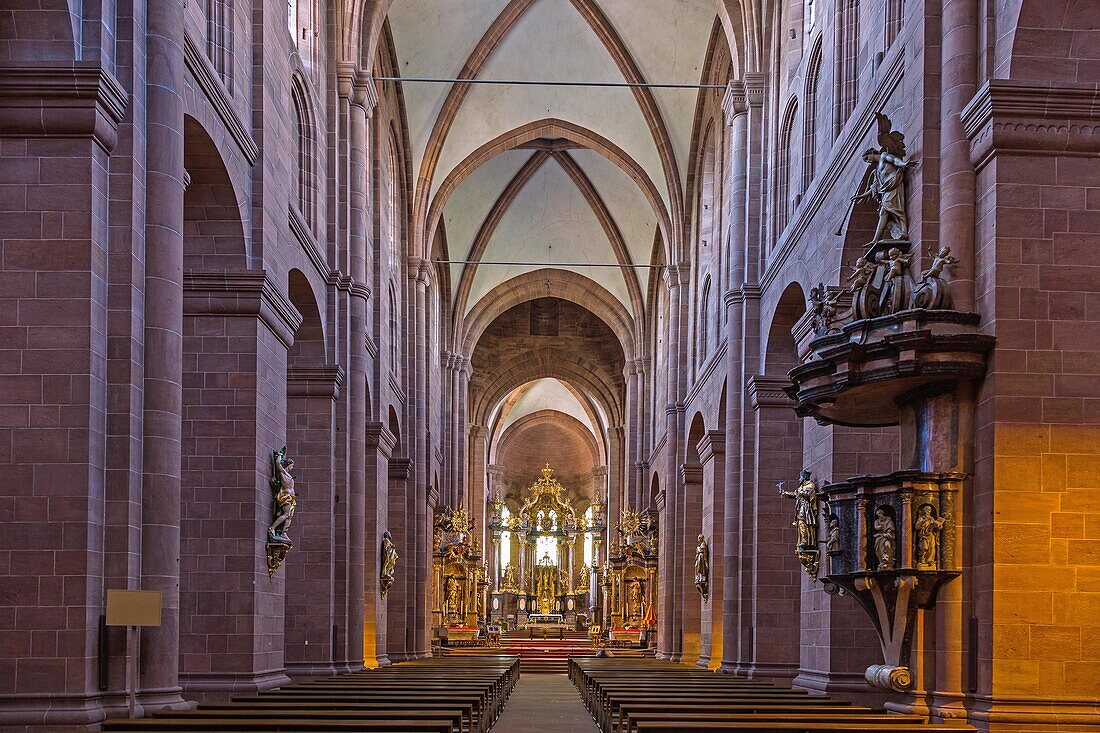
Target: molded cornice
[(1032, 118), (241, 293), (37, 100)]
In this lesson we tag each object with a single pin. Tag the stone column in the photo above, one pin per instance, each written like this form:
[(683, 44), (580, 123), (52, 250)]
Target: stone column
[(736, 108), (614, 471), (310, 569), (959, 80), (400, 601), (640, 434), (420, 271), (669, 618), (362, 551), (380, 443), (462, 430), (688, 528), (163, 390), (712, 456)]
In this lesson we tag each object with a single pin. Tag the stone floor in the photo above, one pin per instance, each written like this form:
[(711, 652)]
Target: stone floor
[(544, 703)]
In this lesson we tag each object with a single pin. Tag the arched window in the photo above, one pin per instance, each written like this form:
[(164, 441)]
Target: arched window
[(304, 152), (219, 39), (783, 170), (847, 60), (393, 208), (894, 10), (702, 328), (395, 341), (546, 546), (809, 118)]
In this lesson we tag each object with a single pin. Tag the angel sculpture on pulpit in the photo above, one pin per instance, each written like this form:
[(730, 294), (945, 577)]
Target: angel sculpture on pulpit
[(885, 182)]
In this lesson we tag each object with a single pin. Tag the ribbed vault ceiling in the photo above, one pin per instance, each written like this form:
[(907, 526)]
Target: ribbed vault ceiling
[(551, 201)]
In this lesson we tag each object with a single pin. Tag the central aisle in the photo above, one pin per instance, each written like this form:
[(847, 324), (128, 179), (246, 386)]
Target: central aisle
[(544, 703)]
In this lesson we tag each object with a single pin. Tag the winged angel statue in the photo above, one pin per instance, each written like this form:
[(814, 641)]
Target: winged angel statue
[(884, 182)]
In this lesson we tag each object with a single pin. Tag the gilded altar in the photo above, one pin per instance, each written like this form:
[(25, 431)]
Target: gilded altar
[(460, 581), (629, 580), (548, 575)]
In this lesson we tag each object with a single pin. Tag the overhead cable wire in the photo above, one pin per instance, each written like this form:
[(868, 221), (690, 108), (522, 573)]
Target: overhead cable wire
[(546, 264), (546, 83)]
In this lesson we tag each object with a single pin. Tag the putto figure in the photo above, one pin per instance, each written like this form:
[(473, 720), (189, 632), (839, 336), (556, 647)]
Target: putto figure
[(805, 504), (286, 500), (886, 183)]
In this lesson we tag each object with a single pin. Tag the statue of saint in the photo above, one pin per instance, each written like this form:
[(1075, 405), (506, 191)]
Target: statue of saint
[(510, 582), (634, 601), (886, 182), (286, 500), (928, 541), (805, 504), (389, 562), (453, 596), (702, 568), (832, 542), (583, 582), (885, 540)]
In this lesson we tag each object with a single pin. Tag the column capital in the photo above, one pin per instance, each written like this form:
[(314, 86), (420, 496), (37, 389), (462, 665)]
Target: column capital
[(755, 84), (677, 275), (420, 270), (365, 93), (735, 100)]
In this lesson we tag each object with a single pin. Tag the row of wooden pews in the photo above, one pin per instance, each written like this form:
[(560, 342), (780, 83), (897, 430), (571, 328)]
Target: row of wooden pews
[(650, 696), (437, 695)]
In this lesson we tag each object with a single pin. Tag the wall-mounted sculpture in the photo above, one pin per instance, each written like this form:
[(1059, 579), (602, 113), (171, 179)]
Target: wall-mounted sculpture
[(928, 527), (702, 568), (884, 183), (285, 501), (389, 557), (805, 508)]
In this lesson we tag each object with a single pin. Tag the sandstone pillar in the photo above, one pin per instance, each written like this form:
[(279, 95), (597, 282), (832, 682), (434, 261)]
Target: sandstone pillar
[(163, 391), (735, 107), (712, 457)]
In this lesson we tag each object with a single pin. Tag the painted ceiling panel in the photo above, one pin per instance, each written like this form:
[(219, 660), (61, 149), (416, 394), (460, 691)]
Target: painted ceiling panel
[(669, 50), (434, 38), (551, 42), (549, 223), (472, 201)]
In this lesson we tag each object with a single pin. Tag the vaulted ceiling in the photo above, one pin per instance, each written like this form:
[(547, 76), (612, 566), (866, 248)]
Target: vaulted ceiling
[(600, 182)]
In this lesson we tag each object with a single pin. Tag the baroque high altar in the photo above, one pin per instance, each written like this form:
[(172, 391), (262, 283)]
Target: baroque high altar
[(548, 583)]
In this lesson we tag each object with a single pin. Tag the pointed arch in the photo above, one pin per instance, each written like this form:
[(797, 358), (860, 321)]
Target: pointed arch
[(553, 128)]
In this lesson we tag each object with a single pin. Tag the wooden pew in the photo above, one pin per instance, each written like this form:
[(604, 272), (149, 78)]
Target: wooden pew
[(649, 696), (426, 696)]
